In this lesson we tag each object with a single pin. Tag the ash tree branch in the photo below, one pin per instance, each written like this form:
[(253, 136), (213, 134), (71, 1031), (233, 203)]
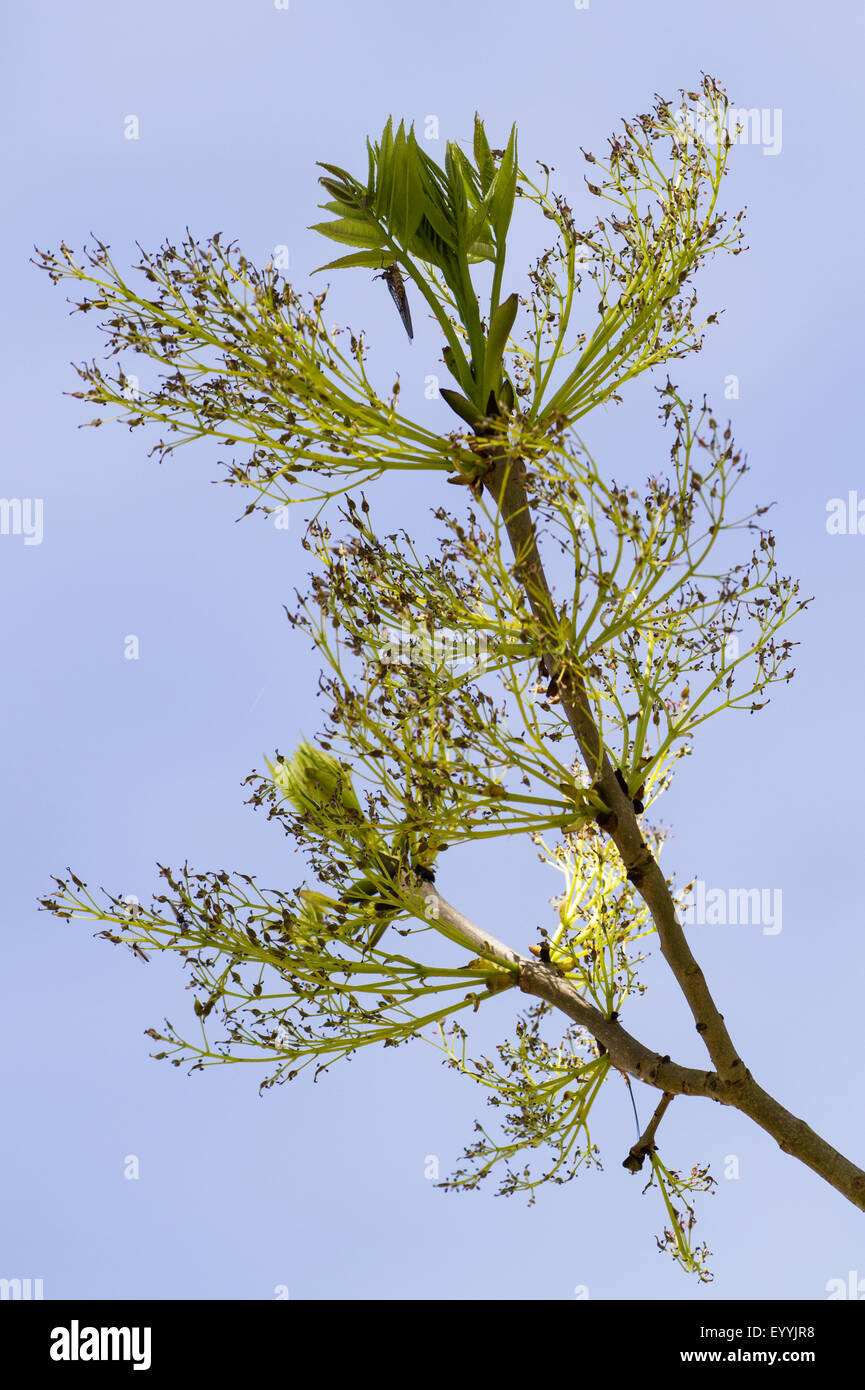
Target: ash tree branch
[(544, 982), (733, 1084), (646, 1142), (506, 484)]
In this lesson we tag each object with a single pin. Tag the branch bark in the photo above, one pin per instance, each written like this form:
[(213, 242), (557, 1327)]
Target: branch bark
[(731, 1083), (646, 1142), (506, 484), (627, 1053), (544, 982)]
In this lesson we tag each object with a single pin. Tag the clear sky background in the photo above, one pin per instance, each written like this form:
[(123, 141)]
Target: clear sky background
[(109, 765)]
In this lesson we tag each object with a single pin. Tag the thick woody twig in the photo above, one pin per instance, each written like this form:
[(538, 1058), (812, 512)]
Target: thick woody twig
[(506, 484), (646, 1142), (545, 982), (733, 1084)]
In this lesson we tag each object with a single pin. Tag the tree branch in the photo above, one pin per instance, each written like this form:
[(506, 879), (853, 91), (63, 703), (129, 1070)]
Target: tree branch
[(545, 982), (506, 484), (733, 1084), (646, 1142)]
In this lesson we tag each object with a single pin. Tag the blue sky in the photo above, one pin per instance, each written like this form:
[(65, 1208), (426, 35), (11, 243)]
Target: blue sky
[(110, 765)]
